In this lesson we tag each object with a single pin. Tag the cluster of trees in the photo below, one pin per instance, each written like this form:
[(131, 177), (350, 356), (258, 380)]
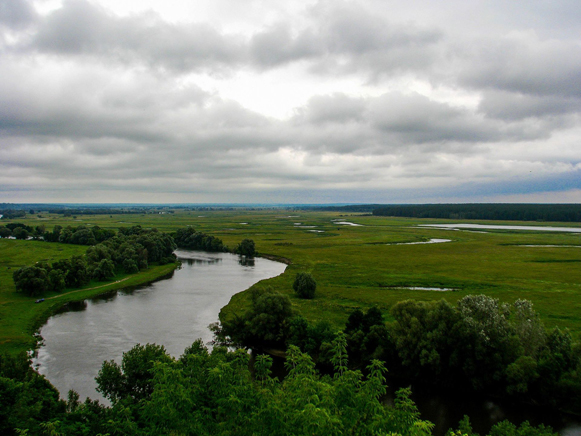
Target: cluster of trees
[(479, 344), (189, 238), (504, 211), (81, 235), (20, 231), (10, 214), (216, 393), (487, 345), (129, 251)]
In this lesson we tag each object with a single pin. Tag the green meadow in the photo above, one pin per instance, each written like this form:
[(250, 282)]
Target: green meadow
[(355, 266)]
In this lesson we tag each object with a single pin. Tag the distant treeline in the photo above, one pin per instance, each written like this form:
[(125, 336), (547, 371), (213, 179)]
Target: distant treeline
[(349, 208), (508, 212), (11, 211)]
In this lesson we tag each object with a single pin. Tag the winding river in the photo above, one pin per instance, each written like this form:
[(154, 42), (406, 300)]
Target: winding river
[(172, 312)]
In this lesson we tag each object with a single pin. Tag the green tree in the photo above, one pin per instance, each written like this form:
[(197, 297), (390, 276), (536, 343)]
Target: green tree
[(30, 280), (20, 233), (246, 248), (56, 280), (305, 285), (132, 379), (105, 270)]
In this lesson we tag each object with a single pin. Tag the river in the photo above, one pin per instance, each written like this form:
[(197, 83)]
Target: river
[(172, 312)]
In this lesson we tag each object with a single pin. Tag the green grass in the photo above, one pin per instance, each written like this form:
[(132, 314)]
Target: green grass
[(360, 266), (20, 316)]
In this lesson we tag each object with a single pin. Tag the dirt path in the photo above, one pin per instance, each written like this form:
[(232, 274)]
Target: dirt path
[(88, 289)]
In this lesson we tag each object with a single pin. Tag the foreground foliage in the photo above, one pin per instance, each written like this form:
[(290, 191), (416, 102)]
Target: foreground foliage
[(479, 345), (215, 393)]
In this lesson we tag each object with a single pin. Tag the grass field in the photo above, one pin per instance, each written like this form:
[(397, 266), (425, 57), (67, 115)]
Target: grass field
[(354, 266)]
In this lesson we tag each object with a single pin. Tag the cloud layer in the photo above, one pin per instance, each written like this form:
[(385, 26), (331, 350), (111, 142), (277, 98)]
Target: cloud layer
[(335, 101)]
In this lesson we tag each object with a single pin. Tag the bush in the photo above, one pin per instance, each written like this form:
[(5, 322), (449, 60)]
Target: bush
[(305, 285)]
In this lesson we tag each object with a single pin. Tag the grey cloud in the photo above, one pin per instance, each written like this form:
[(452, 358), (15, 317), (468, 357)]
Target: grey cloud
[(339, 37), (515, 106), (394, 122), (336, 108), (523, 63), (106, 110), (16, 14), (81, 28), (276, 46), (348, 28)]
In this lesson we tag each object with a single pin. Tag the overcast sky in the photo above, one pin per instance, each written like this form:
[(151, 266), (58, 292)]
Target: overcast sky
[(383, 101)]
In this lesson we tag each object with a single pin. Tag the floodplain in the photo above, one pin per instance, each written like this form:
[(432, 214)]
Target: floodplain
[(379, 262)]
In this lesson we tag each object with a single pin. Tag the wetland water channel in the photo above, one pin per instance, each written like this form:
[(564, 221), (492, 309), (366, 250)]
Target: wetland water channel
[(174, 312)]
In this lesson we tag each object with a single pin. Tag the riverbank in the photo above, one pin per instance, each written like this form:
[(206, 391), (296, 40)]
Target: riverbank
[(21, 317), (143, 278)]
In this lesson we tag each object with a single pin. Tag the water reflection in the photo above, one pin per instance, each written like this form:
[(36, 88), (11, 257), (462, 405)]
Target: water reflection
[(246, 261), (73, 306), (200, 261)]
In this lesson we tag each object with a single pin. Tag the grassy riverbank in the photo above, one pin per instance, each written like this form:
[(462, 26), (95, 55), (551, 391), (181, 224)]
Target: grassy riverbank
[(20, 316), (361, 266)]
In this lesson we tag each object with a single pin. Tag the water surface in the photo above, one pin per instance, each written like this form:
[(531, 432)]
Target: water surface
[(503, 227), (172, 312)]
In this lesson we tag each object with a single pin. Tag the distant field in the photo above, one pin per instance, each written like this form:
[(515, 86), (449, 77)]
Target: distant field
[(362, 266)]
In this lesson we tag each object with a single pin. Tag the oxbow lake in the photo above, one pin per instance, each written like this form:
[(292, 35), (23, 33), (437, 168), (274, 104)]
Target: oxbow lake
[(172, 312)]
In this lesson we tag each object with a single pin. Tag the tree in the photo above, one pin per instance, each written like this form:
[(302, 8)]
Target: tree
[(56, 280), (133, 378), (20, 233), (105, 270), (267, 317), (305, 285), (30, 280), (246, 248)]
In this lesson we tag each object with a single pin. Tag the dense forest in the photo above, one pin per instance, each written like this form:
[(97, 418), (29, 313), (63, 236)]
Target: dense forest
[(508, 212), (477, 346)]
